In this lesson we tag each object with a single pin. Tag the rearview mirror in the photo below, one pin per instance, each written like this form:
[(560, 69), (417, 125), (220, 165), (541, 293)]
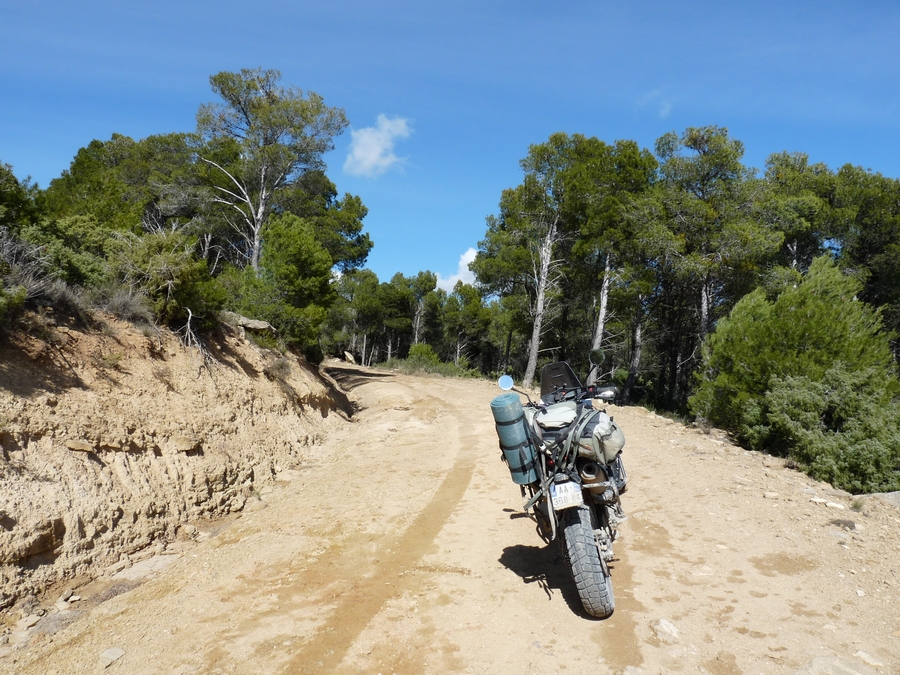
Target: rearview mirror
[(505, 382)]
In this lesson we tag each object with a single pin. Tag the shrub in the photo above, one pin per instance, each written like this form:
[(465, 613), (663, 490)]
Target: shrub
[(808, 375), (423, 354), (163, 266), (843, 429), (11, 299), (128, 304), (23, 265)]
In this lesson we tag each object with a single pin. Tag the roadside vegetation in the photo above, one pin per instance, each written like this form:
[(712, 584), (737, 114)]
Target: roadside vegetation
[(764, 302)]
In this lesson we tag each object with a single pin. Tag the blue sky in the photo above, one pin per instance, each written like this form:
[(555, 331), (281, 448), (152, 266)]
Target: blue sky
[(444, 98)]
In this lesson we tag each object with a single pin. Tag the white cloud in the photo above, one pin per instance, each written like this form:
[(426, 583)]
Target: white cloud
[(656, 98), (372, 148), (463, 273)]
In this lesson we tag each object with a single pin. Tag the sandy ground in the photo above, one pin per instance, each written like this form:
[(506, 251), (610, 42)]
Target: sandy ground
[(400, 547)]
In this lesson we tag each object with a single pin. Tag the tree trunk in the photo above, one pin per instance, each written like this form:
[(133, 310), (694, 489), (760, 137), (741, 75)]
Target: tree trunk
[(637, 345), (600, 328), (545, 260), (417, 319), (705, 293)]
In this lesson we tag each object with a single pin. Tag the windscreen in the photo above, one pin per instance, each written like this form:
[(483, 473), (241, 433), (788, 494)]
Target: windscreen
[(554, 376)]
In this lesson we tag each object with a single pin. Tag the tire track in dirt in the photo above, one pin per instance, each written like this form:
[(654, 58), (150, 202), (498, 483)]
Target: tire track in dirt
[(355, 609)]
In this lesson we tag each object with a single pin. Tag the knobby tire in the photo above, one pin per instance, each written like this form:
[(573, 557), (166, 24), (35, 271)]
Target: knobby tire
[(591, 576)]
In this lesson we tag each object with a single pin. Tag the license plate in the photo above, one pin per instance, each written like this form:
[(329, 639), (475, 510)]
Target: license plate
[(565, 495)]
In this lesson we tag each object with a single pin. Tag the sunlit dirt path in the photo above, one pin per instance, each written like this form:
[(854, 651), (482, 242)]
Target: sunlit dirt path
[(400, 547)]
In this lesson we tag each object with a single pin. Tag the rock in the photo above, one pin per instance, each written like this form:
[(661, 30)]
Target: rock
[(770, 495), (75, 598), (889, 497), (868, 659), (185, 443), (66, 595), (79, 445), (860, 592), (835, 505), (28, 622), (834, 665), (665, 631), (633, 670), (818, 500), (190, 529), (348, 357), (110, 656)]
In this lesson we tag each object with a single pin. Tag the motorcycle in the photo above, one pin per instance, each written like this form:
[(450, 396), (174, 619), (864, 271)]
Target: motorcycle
[(566, 457)]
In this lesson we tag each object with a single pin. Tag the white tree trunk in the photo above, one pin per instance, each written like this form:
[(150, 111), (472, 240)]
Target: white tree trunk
[(417, 320), (543, 268), (600, 328), (705, 293)]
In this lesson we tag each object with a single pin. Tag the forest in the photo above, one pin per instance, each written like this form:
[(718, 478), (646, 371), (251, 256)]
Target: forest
[(763, 302)]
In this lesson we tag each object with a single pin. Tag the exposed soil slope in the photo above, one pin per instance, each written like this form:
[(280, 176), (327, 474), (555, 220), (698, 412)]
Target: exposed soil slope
[(111, 440), (397, 545)]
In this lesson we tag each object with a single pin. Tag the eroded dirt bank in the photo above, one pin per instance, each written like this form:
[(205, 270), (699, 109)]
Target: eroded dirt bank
[(398, 545), (111, 441)]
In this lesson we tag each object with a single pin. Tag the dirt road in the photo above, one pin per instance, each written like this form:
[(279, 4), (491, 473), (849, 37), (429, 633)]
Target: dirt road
[(400, 547)]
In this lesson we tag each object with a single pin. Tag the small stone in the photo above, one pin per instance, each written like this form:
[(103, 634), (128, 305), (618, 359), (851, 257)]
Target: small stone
[(665, 631), (67, 594), (835, 505), (79, 445), (832, 665), (185, 443), (868, 659), (860, 592), (818, 500), (110, 656), (75, 598), (28, 622), (190, 529), (770, 495)]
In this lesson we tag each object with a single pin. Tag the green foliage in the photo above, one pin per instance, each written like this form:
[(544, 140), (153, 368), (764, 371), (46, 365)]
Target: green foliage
[(276, 135), (17, 200), (843, 429), (11, 299), (163, 267), (337, 222), (74, 245), (423, 354), (423, 359), (772, 368), (292, 289)]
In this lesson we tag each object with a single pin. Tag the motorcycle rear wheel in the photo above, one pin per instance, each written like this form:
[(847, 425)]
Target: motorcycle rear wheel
[(591, 575)]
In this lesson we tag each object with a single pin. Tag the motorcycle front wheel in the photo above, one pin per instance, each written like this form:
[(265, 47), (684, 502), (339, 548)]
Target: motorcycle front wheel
[(590, 573)]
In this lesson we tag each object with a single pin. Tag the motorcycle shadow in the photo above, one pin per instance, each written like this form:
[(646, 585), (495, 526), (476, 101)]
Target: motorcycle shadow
[(545, 566)]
